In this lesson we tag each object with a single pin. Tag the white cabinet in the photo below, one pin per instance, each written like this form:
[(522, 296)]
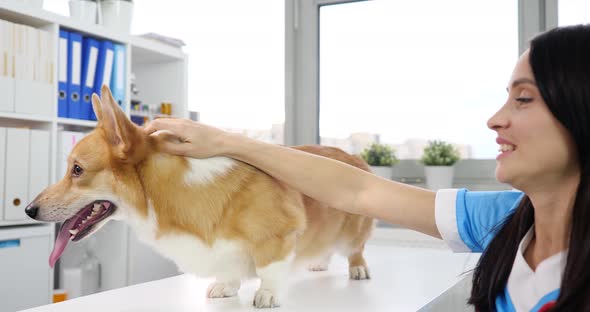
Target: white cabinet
[(16, 174), (2, 169), (25, 169), (25, 280), (7, 91)]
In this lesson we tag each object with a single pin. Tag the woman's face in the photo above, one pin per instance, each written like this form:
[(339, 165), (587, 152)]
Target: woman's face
[(536, 151)]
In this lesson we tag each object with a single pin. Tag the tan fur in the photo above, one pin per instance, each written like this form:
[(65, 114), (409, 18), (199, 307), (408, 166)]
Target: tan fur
[(249, 205), (245, 205)]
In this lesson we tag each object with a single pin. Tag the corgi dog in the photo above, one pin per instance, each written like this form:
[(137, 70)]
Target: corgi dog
[(215, 217)]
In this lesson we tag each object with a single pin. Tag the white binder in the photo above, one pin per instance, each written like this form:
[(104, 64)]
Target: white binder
[(2, 164), (39, 162), (6, 63), (17, 174)]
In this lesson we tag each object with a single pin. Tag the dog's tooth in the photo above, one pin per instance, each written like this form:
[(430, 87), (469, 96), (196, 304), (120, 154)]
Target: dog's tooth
[(83, 222), (73, 232)]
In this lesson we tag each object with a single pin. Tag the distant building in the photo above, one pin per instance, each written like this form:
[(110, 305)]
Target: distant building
[(354, 143)]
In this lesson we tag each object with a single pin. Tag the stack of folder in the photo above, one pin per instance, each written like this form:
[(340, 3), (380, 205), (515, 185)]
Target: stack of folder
[(27, 64), (85, 64)]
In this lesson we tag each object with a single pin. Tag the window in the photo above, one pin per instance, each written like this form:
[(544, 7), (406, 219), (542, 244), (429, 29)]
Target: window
[(236, 59), (571, 12), (405, 72)]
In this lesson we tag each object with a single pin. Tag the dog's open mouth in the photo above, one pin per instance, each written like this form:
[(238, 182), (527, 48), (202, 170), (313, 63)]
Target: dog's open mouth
[(80, 225)]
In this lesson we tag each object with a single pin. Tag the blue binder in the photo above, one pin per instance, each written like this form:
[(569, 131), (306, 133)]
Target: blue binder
[(118, 82), (104, 68), (89, 62), (62, 74), (74, 75)]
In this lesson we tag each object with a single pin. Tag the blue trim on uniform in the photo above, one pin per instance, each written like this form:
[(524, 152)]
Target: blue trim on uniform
[(552, 296), (478, 213), (504, 302)]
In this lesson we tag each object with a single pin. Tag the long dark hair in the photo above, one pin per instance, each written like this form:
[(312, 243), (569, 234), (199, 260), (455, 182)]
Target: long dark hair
[(560, 60)]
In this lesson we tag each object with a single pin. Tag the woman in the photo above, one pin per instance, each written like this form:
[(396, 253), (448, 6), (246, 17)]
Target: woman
[(535, 243)]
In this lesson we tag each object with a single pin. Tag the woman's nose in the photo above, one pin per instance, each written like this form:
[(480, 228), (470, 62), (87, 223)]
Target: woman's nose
[(499, 120)]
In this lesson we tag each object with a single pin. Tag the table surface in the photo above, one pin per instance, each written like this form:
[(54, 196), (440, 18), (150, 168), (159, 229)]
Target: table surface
[(403, 279)]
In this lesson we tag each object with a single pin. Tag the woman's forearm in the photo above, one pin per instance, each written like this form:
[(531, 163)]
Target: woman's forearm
[(338, 184)]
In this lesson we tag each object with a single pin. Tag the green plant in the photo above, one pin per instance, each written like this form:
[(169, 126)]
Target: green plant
[(379, 155), (439, 153)]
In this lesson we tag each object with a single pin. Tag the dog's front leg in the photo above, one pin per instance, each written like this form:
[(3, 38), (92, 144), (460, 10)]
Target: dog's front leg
[(273, 263), (222, 288)]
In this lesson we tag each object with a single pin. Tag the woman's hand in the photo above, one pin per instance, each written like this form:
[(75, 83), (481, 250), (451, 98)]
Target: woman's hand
[(187, 138)]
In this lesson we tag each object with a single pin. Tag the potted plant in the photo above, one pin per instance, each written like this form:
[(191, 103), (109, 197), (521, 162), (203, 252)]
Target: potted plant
[(116, 14), (381, 158), (438, 159)]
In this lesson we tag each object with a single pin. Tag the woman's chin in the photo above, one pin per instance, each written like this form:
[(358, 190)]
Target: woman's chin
[(502, 176)]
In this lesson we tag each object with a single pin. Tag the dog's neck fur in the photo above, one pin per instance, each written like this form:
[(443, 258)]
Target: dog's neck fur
[(171, 183)]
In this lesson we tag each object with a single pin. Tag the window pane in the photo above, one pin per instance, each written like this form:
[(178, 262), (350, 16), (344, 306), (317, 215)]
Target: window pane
[(236, 59), (571, 12), (405, 72)]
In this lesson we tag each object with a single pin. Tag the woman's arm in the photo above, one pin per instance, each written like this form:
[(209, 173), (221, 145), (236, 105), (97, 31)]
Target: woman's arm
[(332, 182)]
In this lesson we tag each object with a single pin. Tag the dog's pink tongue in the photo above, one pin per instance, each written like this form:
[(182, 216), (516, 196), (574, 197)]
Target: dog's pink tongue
[(63, 238)]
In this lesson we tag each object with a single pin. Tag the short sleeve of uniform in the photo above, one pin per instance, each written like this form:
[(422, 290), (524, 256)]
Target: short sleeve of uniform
[(466, 220)]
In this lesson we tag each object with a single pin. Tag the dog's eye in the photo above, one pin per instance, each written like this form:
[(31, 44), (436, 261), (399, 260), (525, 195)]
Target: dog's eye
[(77, 171)]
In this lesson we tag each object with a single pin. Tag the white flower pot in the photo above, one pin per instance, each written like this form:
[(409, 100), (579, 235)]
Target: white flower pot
[(439, 177), (383, 171), (117, 14), (37, 4), (83, 10)]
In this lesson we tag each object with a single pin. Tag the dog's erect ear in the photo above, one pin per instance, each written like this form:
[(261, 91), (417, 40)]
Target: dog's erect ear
[(96, 105), (120, 131)]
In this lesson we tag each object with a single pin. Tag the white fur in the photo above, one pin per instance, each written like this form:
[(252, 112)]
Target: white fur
[(273, 277), (205, 170), (219, 289), (226, 260)]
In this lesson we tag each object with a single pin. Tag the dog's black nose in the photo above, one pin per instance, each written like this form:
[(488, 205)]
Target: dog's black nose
[(31, 211)]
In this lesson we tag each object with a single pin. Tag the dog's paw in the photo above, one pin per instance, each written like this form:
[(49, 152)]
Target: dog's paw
[(360, 272), (265, 298), (318, 267), (222, 290)]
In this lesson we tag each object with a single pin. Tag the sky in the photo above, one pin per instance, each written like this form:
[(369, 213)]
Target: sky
[(390, 67)]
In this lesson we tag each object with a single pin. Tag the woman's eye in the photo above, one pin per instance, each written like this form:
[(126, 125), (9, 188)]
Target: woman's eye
[(524, 100), (77, 171)]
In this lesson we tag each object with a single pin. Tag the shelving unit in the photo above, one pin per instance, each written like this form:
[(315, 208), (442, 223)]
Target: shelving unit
[(160, 75)]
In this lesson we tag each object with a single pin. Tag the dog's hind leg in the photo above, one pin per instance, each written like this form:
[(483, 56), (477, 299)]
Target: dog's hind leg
[(357, 267), (273, 260), (321, 264)]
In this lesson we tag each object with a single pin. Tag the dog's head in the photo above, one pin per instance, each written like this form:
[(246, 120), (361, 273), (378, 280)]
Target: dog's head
[(101, 181)]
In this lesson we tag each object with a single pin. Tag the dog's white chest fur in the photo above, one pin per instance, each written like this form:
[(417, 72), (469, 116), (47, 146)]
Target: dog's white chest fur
[(191, 254)]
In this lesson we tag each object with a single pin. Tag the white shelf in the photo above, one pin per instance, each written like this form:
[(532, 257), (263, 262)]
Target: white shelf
[(150, 51), (25, 117), (22, 222), (147, 51), (77, 122)]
